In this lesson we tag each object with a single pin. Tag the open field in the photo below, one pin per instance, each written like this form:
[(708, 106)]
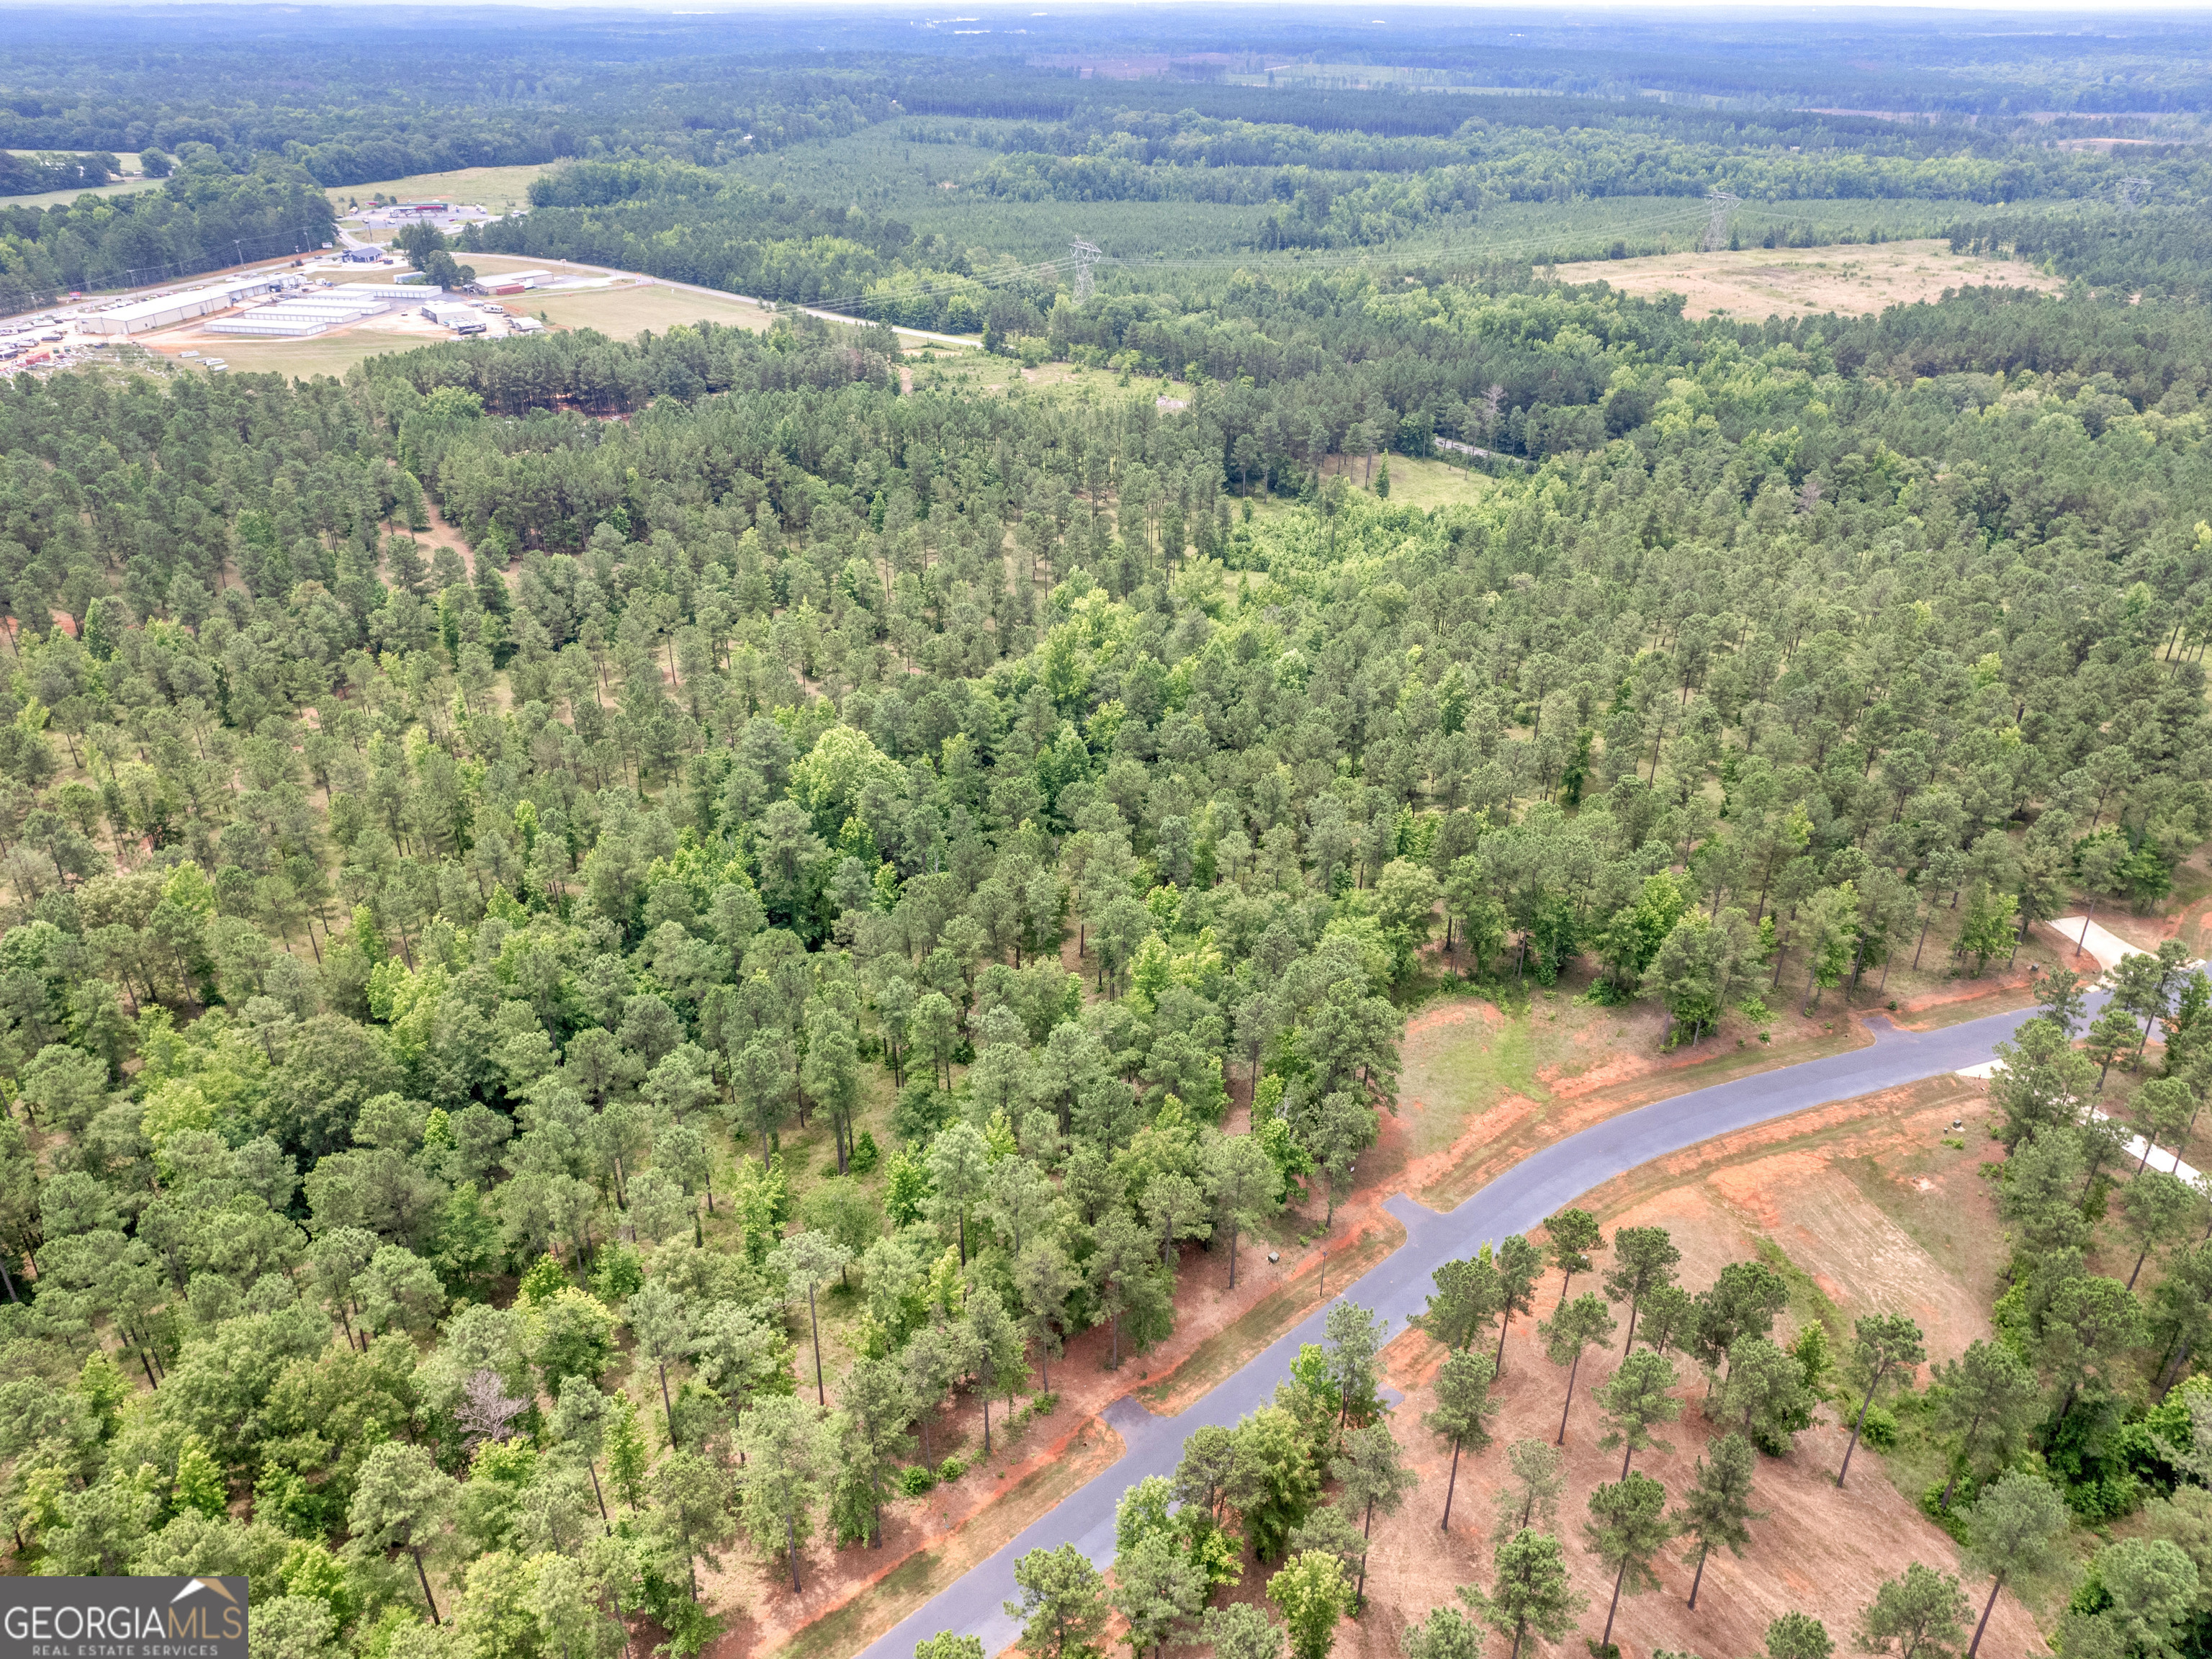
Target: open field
[(301, 360), (1805, 281), (492, 188), (623, 311), (1424, 484), (620, 310), (63, 197)]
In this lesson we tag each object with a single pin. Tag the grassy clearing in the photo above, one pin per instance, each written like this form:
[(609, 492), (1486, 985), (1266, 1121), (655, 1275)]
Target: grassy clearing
[(303, 360), (63, 198), (621, 312), (1757, 281), (1562, 1058), (1424, 484), (494, 189), (1951, 1234)]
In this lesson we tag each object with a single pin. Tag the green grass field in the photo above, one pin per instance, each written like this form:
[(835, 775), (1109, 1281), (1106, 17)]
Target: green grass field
[(492, 188), (623, 311), (63, 197), (303, 360), (619, 312)]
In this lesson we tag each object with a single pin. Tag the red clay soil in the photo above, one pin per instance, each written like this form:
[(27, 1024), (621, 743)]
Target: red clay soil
[(1866, 1197), (1516, 1125), (1819, 1550), (766, 1616), (1217, 1328)]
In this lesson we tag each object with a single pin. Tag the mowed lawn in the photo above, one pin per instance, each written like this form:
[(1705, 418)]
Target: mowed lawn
[(621, 312), (494, 189)]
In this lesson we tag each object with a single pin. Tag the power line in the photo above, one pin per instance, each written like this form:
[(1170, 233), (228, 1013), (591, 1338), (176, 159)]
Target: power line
[(1458, 247), (302, 239), (1085, 254), (1722, 203)]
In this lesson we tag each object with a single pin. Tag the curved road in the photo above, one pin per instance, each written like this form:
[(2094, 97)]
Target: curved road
[(1397, 1288)]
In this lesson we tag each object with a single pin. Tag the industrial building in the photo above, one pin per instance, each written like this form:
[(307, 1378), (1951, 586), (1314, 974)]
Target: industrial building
[(308, 314), (162, 310), (449, 313), (513, 282)]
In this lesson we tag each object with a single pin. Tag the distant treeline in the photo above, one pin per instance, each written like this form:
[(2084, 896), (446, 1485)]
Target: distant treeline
[(2164, 252), (204, 216), (34, 175)]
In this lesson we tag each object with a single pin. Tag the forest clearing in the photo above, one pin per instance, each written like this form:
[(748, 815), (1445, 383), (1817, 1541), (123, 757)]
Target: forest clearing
[(1805, 281)]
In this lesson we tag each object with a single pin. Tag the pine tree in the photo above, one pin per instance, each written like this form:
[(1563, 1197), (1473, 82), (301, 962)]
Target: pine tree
[(1529, 1592), (1462, 1413), (1636, 1397), (1567, 1335), (1718, 1507), (1628, 1525), (200, 1485)]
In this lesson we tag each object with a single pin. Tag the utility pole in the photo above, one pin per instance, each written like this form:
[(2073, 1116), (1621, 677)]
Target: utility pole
[(1721, 203), (1084, 254)]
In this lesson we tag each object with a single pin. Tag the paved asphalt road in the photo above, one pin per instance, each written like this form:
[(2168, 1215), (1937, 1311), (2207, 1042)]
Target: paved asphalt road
[(1398, 1286)]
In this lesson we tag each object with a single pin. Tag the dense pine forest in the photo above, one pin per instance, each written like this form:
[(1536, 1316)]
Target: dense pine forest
[(537, 873)]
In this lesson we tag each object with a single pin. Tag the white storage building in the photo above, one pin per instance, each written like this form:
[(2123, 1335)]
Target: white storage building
[(164, 310), (514, 282), (306, 315)]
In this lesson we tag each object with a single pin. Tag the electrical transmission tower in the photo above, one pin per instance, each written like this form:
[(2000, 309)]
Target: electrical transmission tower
[(1721, 203), (1084, 254), (2133, 191)]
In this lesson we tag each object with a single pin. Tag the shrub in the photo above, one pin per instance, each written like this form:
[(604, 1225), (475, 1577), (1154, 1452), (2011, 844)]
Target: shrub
[(1953, 1520), (1043, 1405), (617, 1271), (2106, 1499), (916, 1480), (951, 1470), (1879, 1428), (866, 1156)]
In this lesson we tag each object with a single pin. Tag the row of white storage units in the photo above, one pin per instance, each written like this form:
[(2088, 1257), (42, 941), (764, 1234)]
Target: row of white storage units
[(164, 309), (306, 314)]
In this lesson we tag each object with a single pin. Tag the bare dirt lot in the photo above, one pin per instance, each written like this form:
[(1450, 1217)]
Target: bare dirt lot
[(1870, 1209), (1852, 279)]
